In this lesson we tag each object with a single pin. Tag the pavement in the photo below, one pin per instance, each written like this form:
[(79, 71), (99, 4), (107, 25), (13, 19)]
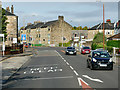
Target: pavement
[(11, 63), (51, 68), (27, 52)]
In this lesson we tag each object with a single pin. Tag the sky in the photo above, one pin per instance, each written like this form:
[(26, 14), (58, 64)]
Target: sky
[(75, 13)]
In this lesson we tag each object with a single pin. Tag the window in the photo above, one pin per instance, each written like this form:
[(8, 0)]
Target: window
[(48, 29), (21, 31), (43, 39), (39, 35)]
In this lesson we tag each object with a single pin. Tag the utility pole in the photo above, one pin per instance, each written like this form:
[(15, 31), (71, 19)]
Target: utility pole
[(103, 29)]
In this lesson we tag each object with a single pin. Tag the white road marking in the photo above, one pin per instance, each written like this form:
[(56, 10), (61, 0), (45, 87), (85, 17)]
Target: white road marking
[(80, 81), (32, 72), (76, 73), (97, 80), (37, 68), (24, 72), (50, 70), (67, 63), (50, 78), (71, 67), (64, 60)]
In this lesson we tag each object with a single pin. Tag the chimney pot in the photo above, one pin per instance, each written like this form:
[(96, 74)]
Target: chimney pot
[(8, 9), (61, 18), (12, 9)]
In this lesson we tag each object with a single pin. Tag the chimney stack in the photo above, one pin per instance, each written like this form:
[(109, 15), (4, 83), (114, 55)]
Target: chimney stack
[(8, 9), (12, 9), (29, 24), (61, 18)]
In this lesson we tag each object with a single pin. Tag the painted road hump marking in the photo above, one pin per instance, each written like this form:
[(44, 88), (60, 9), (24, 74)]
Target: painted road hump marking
[(84, 84)]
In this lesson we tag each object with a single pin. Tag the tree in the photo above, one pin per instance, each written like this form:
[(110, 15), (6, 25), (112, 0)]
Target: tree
[(85, 28), (98, 41), (4, 24), (22, 28)]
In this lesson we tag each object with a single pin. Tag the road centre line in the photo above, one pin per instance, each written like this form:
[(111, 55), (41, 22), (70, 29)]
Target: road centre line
[(76, 73), (97, 80), (71, 67), (68, 63)]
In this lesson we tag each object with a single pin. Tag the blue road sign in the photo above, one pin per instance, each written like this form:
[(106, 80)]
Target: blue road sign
[(23, 37)]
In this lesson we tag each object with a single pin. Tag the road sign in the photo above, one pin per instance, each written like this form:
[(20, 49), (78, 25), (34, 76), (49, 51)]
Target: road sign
[(23, 37), (14, 40)]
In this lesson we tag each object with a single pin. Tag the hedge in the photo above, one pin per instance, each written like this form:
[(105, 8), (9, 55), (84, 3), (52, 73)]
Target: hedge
[(114, 43), (36, 44)]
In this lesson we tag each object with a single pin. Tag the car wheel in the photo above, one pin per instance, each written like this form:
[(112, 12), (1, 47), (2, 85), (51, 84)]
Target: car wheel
[(111, 68), (65, 53), (75, 54), (91, 67)]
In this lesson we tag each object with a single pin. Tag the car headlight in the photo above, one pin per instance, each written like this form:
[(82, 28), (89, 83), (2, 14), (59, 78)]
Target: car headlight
[(67, 51), (74, 51), (110, 60), (94, 60)]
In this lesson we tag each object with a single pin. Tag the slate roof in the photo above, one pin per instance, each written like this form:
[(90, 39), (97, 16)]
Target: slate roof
[(41, 25), (30, 27), (100, 26), (114, 36), (7, 13), (49, 23)]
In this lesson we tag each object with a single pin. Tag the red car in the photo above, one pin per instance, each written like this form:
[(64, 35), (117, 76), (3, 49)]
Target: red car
[(85, 50)]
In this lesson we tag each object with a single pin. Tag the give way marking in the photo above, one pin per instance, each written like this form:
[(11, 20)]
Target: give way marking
[(97, 80), (84, 84)]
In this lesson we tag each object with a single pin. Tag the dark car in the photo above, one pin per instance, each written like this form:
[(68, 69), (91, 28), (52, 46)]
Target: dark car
[(99, 60), (70, 50), (85, 50)]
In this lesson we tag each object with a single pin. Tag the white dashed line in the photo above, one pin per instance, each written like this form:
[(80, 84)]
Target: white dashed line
[(67, 63), (71, 67), (76, 73)]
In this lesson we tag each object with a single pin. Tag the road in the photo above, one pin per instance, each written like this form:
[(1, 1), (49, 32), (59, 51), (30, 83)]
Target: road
[(51, 68)]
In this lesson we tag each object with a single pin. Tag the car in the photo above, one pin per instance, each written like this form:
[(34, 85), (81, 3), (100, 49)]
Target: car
[(70, 50), (26, 45), (29, 44), (85, 50), (99, 60), (101, 49)]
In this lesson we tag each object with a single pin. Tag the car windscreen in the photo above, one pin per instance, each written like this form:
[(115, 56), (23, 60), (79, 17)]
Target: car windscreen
[(86, 48), (70, 48), (101, 54)]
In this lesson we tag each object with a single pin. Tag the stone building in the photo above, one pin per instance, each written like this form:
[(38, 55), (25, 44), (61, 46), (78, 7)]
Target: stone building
[(108, 27), (12, 26), (47, 33)]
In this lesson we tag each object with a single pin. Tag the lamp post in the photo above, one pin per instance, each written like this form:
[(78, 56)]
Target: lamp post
[(103, 29)]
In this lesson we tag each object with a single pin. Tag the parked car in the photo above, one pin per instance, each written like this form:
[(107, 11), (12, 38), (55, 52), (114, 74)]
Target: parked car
[(70, 50), (99, 60), (29, 44), (85, 50), (26, 45)]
